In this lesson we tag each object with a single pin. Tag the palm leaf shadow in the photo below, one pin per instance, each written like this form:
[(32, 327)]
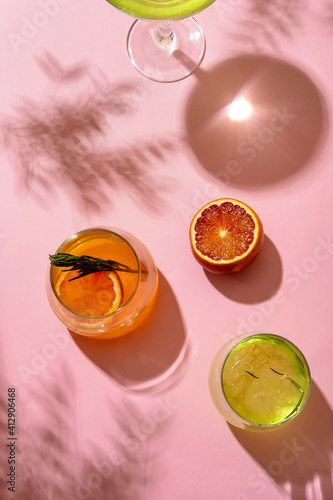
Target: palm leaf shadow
[(63, 143), (268, 21), (57, 460)]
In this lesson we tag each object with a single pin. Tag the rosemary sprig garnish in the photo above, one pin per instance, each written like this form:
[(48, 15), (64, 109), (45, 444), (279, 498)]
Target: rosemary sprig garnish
[(254, 376), (293, 382), (296, 407), (275, 371), (297, 386), (85, 264), (289, 378)]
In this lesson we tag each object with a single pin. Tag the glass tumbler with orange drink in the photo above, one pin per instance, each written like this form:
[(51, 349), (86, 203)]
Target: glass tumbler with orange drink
[(102, 282)]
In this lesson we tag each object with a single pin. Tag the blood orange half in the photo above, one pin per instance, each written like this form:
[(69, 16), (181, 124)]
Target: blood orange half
[(96, 294), (226, 236)]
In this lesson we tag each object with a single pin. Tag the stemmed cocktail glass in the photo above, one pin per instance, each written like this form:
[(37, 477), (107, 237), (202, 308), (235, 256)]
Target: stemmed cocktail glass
[(159, 48)]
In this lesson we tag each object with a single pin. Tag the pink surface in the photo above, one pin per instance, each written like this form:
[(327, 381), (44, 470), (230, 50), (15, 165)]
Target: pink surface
[(87, 141)]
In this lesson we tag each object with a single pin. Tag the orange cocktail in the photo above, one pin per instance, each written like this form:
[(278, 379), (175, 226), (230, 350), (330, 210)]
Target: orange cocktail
[(106, 303)]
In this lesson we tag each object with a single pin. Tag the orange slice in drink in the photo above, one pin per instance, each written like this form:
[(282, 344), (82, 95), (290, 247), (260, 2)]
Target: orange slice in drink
[(226, 236), (96, 294)]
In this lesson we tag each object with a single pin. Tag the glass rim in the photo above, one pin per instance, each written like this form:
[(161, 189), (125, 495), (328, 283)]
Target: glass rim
[(72, 238), (303, 359)]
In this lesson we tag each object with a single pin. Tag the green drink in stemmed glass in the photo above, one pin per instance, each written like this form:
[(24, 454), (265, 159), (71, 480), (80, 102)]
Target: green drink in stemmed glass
[(161, 50)]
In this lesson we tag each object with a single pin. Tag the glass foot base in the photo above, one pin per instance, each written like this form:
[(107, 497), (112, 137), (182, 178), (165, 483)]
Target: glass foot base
[(166, 52)]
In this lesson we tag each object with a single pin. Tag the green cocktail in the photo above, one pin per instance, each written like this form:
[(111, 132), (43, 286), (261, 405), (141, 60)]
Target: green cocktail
[(161, 9), (264, 381), (161, 51)]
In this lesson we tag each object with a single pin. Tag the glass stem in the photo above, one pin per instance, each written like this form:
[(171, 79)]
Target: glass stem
[(165, 33)]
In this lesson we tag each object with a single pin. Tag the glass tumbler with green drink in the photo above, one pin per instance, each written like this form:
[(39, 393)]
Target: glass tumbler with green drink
[(259, 381)]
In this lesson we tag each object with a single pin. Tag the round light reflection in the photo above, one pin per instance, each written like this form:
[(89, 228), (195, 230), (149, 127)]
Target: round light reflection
[(240, 109)]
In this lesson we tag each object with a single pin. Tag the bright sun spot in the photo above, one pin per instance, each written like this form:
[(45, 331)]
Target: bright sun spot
[(240, 109)]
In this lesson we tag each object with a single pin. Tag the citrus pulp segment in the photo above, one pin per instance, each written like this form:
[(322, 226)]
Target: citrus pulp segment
[(94, 295), (226, 236)]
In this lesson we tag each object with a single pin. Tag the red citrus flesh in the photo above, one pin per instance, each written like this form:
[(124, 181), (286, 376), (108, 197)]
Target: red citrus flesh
[(96, 294), (226, 236)]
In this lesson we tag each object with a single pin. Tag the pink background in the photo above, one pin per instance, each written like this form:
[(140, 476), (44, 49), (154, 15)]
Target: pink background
[(87, 141)]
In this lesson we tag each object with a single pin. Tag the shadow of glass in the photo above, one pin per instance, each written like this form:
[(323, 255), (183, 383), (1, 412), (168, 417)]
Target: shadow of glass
[(152, 357), (287, 125), (258, 282), (62, 144), (298, 456)]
